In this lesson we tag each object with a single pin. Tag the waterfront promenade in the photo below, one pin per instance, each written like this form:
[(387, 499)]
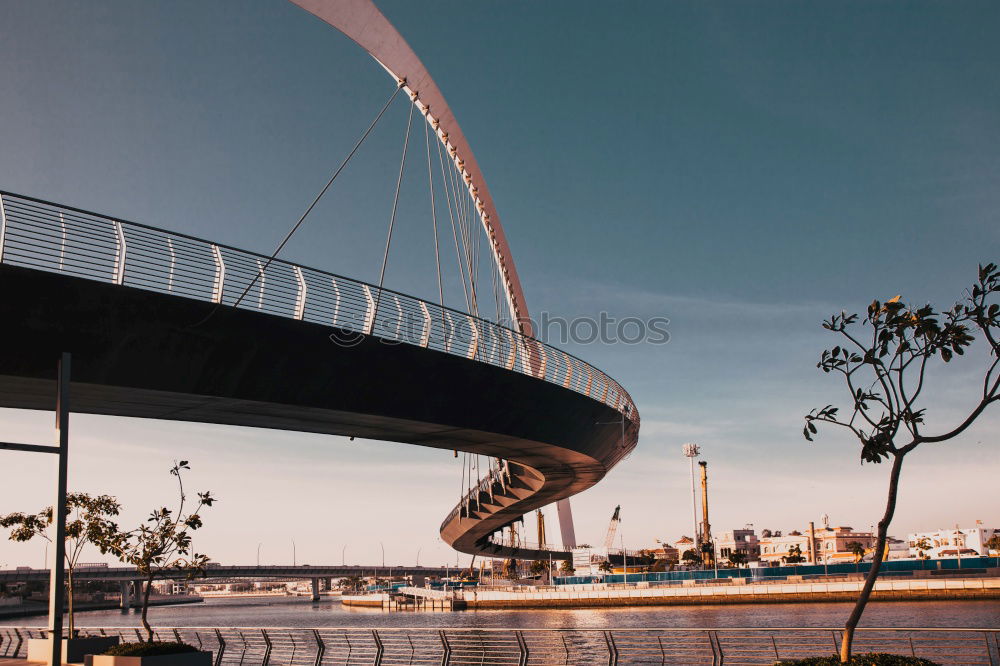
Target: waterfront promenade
[(733, 591)]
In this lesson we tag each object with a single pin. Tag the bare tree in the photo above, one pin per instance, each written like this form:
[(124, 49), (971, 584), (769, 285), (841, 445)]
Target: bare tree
[(885, 371), (163, 544)]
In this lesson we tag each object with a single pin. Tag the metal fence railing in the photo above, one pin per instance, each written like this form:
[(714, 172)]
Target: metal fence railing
[(256, 646), (51, 237)]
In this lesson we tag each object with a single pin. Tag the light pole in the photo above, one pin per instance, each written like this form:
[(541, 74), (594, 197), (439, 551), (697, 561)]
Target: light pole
[(418, 555), (293, 552), (383, 553), (258, 553), (692, 451)]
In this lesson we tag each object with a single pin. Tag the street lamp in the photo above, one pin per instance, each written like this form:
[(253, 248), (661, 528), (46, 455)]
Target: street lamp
[(293, 552), (418, 555), (343, 556), (258, 553), (383, 553)]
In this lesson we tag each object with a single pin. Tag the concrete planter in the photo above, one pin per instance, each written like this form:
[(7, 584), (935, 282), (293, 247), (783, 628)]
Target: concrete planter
[(73, 649), (183, 659)]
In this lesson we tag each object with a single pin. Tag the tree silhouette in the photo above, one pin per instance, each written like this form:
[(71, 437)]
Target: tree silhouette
[(88, 520), (885, 370), (163, 544)]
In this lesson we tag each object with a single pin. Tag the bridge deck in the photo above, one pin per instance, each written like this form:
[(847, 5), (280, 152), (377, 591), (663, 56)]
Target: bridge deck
[(144, 353)]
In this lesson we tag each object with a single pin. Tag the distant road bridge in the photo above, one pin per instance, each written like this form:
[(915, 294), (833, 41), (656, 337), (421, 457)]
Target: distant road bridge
[(167, 326), (302, 572)]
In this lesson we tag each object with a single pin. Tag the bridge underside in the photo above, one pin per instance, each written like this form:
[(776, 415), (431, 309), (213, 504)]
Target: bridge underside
[(142, 354)]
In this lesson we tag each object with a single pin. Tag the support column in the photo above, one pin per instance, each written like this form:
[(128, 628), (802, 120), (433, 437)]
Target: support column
[(137, 594), (315, 589), (57, 588), (566, 529), (126, 592)]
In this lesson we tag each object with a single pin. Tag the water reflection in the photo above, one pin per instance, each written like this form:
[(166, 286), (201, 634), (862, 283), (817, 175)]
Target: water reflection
[(329, 613)]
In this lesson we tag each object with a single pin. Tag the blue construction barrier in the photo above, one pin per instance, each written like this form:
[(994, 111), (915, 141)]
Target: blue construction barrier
[(891, 567)]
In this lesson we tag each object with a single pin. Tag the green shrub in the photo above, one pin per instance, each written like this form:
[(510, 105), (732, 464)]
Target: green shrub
[(154, 649), (868, 659)]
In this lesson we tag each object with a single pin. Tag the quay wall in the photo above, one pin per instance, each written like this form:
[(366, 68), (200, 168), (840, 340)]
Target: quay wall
[(366, 600), (890, 590)]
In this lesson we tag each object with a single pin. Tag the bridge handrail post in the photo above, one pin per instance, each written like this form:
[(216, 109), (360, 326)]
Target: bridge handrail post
[(3, 227), (220, 274), (369, 323), (474, 344), (120, 250), (425, 335), (300, 294)]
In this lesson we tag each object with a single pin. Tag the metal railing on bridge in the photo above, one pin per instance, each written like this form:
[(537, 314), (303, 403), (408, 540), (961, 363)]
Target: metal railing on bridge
[(256, 646), (55, 238)]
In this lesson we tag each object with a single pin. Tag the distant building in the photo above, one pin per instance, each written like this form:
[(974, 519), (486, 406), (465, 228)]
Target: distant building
[(967, 542), (742, 541), (666, 553), (774, 549), (683, 545), (899, 549), (824, 545), (833, 544)]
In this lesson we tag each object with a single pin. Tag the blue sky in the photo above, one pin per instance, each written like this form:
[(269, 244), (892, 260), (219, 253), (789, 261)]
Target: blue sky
[(743, 169)]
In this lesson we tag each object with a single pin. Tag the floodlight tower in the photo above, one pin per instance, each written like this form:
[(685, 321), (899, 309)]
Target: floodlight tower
[(692, 451)]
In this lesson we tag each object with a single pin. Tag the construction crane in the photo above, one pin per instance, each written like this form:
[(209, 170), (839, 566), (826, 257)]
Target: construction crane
[(612, 529)]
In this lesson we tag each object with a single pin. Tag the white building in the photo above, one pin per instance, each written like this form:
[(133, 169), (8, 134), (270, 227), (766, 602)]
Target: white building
[(955, 542), (742, 541)]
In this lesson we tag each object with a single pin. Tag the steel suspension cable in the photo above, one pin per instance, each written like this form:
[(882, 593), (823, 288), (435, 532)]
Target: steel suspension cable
[(392, 218), (451, 216), (458, 229), (464, 198), (437, 253), (319, 196)]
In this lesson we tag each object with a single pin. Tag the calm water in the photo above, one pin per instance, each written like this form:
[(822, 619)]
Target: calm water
[(293, 612)]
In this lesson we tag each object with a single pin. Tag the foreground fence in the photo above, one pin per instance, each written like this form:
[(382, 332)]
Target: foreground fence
[(255, 646)]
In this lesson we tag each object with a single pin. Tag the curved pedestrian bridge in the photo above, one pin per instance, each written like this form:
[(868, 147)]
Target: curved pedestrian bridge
[(167, 326)]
